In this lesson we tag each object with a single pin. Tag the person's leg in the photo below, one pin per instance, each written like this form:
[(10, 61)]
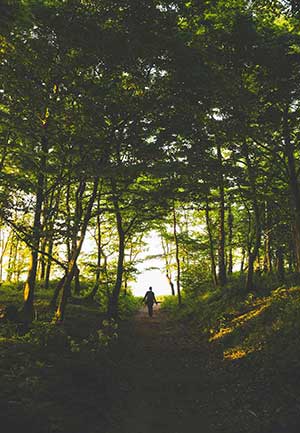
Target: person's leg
[(150, 309)]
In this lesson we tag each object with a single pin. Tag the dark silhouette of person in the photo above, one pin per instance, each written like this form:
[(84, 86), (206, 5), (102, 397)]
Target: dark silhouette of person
[(149, 300)]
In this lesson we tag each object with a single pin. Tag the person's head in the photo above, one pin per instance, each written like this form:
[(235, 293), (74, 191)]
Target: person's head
[(150, 288)]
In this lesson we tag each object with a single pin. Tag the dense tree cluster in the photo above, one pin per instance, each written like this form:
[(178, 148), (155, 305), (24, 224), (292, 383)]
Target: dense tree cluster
[(118, 117)]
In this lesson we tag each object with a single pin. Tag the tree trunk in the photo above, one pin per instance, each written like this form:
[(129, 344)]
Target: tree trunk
[(10, 259), (15, 271), (230, 237), (257, 237), (171, 284), (291, 255), (77, 280), (48, 205), (42, 263), (57, 290), (267, 241), (166, 252), (242, 261), (49, 263), (1, 258), (94, 291), (16, 261), (60, 312), (125, 284), (211, 245), (280, 265), (4, 245), (50, 240), (222, 278), (177, 256), (105, 271), (68, 219), (293, 184), (114, 297), (267, 253), (28, 308)]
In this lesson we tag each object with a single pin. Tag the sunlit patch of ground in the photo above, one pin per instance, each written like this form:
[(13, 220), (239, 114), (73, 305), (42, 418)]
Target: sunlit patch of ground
[(240, 320), (237, 353), (247, 333), (220, 334)]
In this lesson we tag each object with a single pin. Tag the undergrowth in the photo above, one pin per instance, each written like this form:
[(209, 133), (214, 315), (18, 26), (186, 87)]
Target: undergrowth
[(43, 367), (256, 337)]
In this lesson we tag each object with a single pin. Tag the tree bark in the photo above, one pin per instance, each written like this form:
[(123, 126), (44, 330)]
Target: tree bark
[(28, 307), (230, 237), (267, 238), (171, 284), (94, 291), (114, 297), (4, 245), (177, 255), (253, 253), (49, 263), (280, 265), (222, 277), (113, 301), (48, 205), (50, 240), (57, 290), (211, 245), (293, 184), (60, 312), (10, 259), (166, 252), (77, 287), (242, 261)]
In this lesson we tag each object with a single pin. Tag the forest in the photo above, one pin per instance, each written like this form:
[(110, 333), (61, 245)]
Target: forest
[(122, 118)]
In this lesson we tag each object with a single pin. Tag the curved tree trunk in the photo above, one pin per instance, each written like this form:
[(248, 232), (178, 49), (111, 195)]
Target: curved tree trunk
[(53, 303)]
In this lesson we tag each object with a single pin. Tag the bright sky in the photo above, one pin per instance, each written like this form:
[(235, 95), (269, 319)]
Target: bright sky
[(151, 277)]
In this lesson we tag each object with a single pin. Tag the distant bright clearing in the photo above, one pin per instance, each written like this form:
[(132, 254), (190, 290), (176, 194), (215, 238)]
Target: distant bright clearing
[(155, 278)]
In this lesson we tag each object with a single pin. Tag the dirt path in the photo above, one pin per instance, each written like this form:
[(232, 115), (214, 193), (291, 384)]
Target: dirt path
[(163, 385)]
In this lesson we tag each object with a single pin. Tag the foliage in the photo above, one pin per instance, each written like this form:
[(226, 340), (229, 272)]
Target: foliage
[(118, 118), (243, 324), (128, 305)]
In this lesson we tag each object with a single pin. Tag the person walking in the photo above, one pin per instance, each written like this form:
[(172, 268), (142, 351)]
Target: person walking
[(149, 300)]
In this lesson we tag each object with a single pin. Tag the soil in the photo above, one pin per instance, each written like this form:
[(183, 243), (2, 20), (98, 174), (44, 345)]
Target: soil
[(169, 379), (164, 380), (160, 376)]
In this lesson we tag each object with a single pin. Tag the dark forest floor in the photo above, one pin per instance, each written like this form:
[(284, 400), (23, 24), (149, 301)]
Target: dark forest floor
[(171, 380), (161, 376)]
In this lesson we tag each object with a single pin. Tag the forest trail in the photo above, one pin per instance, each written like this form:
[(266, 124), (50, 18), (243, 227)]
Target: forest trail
[(163, 382)]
